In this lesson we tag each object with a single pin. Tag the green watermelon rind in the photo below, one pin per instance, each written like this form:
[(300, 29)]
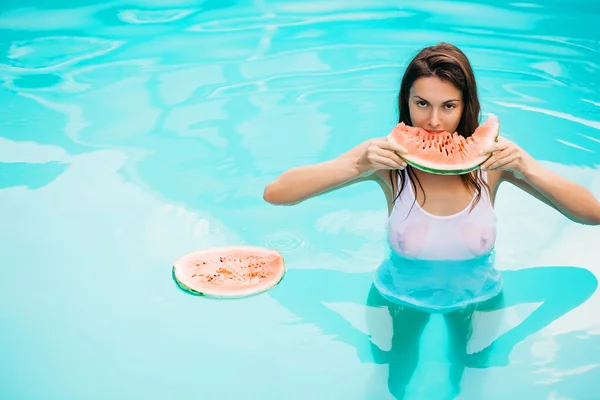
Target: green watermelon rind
[(460, 170)]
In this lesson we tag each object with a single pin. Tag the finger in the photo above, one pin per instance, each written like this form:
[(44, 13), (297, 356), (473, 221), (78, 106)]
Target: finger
[(495, 157), (387, 163), (391, 155), (493, 148), (489, 162), (392, 145), (503, 162)]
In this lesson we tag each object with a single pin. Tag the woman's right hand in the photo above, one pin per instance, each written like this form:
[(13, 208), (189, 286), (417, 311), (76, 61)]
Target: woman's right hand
[(381, 153)]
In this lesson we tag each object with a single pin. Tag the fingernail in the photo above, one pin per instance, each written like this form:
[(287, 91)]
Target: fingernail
[(480, 152)]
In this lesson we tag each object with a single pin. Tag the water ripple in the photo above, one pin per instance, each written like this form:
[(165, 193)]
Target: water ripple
[(244, 23), (351, 77), (526, 5), (573, 145), (563, 41), (30, 152), (279, 21), (153, 16), (34, 82), (32, 19), (558, 114), (46, 54), (590, 138), (469, 14), (592, 102), (289, 243), (330, 6)]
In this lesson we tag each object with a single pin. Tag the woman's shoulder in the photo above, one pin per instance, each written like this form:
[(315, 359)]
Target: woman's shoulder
[(388, 181), (385, 178), (493, 179)]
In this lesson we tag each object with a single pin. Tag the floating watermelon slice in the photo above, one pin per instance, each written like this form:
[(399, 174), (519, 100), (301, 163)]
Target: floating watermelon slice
[(445, 153), (231, 271)]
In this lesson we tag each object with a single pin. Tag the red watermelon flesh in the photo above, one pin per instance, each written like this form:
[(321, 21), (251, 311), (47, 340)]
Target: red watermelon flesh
[(232, 271), (446, 153)]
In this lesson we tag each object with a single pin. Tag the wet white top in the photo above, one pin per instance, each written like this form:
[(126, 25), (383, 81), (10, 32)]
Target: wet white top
[(418, 234)]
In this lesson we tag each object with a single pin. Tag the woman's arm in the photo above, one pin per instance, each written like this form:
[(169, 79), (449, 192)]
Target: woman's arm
[(519, 168), (358, 164), (571, 199), (298, 184)]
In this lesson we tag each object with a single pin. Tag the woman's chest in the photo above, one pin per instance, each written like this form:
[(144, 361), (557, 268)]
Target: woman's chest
[(415, 233)]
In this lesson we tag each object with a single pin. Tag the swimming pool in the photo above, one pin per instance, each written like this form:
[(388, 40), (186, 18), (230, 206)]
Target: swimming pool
[(134, 132)]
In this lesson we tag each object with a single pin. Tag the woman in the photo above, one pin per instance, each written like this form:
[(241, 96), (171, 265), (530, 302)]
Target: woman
[(441, 229)]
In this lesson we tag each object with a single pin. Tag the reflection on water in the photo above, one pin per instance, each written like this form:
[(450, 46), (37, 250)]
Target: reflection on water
[(541, 285), (135, 132), (152, 16), (53, 52)]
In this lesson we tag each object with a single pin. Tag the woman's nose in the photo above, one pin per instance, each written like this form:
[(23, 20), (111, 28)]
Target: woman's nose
[(434, 120)]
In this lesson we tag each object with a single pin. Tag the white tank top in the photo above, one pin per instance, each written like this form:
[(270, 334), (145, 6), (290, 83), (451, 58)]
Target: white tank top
[(415, 233)]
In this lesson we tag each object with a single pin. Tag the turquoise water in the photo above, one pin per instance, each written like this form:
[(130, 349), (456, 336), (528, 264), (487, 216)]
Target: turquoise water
[(134, 132)]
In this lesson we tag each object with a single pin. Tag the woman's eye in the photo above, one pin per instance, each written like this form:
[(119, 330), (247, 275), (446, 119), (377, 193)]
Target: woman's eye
[(450, 106), (421, 103)]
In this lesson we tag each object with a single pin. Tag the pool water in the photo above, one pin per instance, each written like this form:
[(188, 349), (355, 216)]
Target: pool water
[(134, 132)]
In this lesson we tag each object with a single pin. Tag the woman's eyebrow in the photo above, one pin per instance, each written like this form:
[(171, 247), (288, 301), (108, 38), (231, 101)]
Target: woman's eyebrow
[(447, 101)]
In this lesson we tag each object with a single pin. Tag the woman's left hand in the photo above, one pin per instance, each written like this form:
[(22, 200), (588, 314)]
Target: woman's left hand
[(508, 156)]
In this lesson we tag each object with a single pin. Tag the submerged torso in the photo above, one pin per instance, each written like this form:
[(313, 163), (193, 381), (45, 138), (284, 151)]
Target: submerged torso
[(439, 263)]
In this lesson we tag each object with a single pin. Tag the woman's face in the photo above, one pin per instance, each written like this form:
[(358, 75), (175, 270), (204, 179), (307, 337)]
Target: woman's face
[(435, 105)]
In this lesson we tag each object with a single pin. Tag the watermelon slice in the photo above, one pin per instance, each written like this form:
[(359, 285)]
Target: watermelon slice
[(444, 153), (229, 271)]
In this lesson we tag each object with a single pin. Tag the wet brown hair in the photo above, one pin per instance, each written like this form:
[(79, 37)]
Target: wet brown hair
[(450, 64)]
